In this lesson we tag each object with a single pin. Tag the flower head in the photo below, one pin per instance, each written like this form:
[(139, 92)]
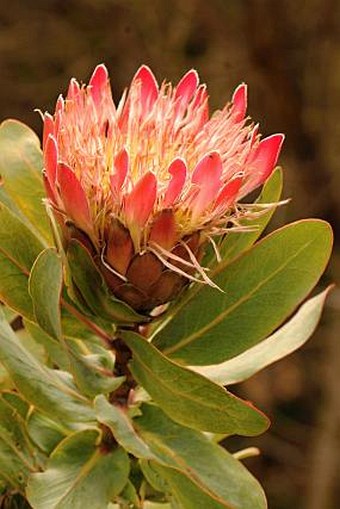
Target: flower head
[(144, 184)]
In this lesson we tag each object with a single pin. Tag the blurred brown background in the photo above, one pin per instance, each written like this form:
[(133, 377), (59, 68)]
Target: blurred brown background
[(288, 52)]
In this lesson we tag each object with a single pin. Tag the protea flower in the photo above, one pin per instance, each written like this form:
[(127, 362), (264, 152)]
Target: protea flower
[(144, 185)]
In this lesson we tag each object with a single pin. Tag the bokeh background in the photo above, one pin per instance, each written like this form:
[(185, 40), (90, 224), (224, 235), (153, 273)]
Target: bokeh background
[(288, 51)]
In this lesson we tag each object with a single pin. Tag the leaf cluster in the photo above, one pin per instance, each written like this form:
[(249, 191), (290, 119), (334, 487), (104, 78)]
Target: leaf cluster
[(88, 423)]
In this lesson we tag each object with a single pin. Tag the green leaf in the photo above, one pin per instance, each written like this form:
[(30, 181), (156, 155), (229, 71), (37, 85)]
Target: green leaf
[(13, 470), (16, 458), (204, 467), (45, 432), (14, 287), (6, 200), (129, 497), (16, 402), (189, 398), (19, 248), (79, 475), (147, 504), (75, 327), (81, 354), (262, 288), (45, 284), (91, 285), (20, 168), (185, 494), (9, 314), (156, 481), (92, 373), (283, 342), (236, 242), (52, 347), (31, 345), (121, 427), (41, 386)]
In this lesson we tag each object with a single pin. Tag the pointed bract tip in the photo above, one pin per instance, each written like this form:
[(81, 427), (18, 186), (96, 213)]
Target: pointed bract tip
[(178, 171), (73, 198), (207, 177), (229, 193), (163, 230), (98, 81), (272, 146), (73, 89), (122, 159), (50, 158), (60, 104), (208, 169), (48, 127), (148, 82), (239, 100), (140, 201), (266, 157), (145, 74), (187, 85), (121, 167), (99, 76)]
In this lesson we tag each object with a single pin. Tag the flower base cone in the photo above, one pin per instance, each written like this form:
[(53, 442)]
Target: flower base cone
[(147, 282)]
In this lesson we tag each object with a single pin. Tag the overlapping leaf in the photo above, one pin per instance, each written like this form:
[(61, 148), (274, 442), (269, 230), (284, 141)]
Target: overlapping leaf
[(94, 373), (122, 428), (80, 475), (20, 168), (262, 288), (280, 344), (52, 347), (45, 286), (189, 398), (188, 461), (19, 248), (16, 457), (40, 385), (45, 432)]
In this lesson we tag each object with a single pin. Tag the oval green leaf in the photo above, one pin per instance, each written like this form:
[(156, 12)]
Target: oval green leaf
[(211, 472), (19, 248), (45, 285), (41, 386), (283, 342), (44, 431), (20, 168), (262, 288), (189, 398), (17, 458), (79, 475)]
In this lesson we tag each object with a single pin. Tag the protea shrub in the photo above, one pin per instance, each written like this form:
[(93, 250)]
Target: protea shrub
[(134, 290)]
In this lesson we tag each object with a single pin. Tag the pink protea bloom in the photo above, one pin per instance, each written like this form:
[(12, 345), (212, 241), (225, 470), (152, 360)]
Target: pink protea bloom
[(144, 184)]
